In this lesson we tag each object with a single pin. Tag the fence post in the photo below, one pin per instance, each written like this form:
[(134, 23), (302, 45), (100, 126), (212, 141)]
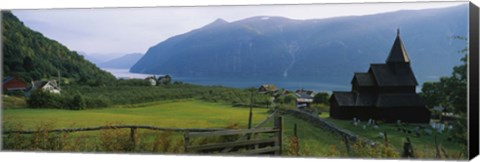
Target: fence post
[(437, 150), (386, 139), (132, 137), (347, 144), (408, 149), (297, 141), (295, 130), (186, 140), (278, 125)]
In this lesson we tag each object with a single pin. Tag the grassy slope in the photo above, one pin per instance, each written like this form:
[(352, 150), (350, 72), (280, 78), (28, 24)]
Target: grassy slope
[(425, 145), (179, 114), (314, 141), (13, 102)]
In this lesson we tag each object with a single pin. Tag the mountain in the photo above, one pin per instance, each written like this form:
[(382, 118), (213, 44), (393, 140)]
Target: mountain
[(123, 62), (31, 56), (92, 58), (329, 50)]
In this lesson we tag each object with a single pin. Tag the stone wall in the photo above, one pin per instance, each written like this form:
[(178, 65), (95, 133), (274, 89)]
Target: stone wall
[(326, 125)]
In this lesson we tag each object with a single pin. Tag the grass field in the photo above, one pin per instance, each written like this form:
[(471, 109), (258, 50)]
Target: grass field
[(314, 142), (173, 114)]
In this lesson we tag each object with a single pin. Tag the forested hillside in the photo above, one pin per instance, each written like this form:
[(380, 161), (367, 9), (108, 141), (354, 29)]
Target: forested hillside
[(31, 56)]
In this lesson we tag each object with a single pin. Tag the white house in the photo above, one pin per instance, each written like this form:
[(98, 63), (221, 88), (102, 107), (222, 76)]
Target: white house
[(46, 86)]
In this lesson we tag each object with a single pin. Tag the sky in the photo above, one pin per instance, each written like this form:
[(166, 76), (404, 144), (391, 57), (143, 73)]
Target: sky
[(113, 32)]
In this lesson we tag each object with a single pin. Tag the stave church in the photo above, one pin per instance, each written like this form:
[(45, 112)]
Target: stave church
[(386, 92)]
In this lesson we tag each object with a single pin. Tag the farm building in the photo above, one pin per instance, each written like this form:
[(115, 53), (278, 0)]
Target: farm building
[(267, 88), (386, 92), (164, 80), (304, 98), (10, 84), (46, 86), (151, 80)]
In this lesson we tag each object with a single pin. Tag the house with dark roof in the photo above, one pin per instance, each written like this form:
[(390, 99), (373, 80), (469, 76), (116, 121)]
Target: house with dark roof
[(304, 98), (164, 80), (386, 92)]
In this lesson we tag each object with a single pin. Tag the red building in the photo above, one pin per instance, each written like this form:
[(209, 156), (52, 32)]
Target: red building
[(13, 84)]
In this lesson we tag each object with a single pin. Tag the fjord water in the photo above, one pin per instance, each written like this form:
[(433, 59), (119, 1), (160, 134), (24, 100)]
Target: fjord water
[(289, 83)]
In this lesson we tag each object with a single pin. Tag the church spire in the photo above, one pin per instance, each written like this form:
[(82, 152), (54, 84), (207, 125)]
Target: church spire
[(398, 54)]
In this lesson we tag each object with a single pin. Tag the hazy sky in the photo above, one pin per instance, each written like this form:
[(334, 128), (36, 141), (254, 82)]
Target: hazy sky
[(115, 31)]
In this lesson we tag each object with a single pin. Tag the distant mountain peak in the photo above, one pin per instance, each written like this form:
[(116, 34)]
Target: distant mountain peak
[(217, 22), (264, 18)]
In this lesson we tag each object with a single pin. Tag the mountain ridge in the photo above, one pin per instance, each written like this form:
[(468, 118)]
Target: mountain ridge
[(282, 47), (122, 62)]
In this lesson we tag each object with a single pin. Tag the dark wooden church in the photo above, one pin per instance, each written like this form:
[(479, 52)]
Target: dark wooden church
[(386, 92)]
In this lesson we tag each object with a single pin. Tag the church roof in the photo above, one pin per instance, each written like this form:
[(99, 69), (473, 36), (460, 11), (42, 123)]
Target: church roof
[(399, 100), (365, 99), (391, 75), (380, 100), (355, 99), (344, 98), (363, 79), (398, 54)]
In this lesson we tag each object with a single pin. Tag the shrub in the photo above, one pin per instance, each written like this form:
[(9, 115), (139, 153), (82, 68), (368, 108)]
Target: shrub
[(165, 142), (362, 149), (115, 140), (97, 102), (40, 99), (290, 98), (78, 102), (321, 98), (14, 141)]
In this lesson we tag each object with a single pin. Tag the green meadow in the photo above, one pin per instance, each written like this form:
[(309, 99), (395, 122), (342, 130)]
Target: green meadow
[(313, 141), (169, 114)]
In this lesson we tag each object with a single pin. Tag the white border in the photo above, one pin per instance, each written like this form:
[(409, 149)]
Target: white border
[(45, 4), (74, 157)]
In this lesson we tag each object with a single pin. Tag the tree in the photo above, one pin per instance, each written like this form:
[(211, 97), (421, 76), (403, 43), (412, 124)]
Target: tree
[(78, 102), (28, 64), (451, 93), (321, 98), (289, 99)]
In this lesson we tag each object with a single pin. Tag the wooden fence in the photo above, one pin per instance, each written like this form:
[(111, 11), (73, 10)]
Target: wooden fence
[(133, 130), (255, 141), (69, 130)]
